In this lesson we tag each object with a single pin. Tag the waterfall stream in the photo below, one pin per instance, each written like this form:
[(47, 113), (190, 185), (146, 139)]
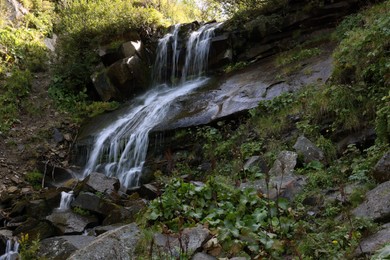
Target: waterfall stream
[(120, 149), (11, 251), (66, 200)]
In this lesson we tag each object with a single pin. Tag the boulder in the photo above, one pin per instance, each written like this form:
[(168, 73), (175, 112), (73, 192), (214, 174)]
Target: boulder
[(98, 182), (103, 86), (60, 248), (36, 229), (71, 223), (309, 150), (92, 202), (125, 214), (256, 161), (381, 170), (119, 243), (369, 245), (190, 240), (149, 191), (376, 206), (282, 180)]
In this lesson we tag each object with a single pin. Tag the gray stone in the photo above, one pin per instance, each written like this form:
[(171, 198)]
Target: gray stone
[(256, 161), (376, 206), (60, 248), (203, 256), (119, 243), (71, 223), (282, 180), (370, 244), (191, 240), (381, 170), (98, 182), (309, 150), (103, 86), (94, 203)]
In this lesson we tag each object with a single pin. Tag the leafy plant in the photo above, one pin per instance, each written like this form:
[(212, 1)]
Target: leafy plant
[(28, 249), (34, 178)]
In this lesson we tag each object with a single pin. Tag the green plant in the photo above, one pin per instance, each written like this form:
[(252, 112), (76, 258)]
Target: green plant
[(236, 66), (261, 224), (34, 178), (81, 211), (28, 249)]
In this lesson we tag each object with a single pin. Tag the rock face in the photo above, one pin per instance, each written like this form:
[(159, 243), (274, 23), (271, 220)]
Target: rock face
[(309, 150), (98, 182), (381, 170), (71, 223), (119, 243), (376, 206), (60, 248), (94, 203), (370, 244)]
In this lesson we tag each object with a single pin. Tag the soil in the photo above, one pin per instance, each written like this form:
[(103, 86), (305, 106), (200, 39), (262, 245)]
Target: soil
[(42, 135)]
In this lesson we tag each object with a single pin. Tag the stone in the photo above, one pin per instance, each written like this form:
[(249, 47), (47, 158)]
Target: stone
[(381, 171), (92, 202), (38, 208), (203, 256), (309, 150), (103, 86), (370, 244), (119, 243), (36, 229), (284, 164), (58, 137), (282, 180), (103, 229), (98, 182), (190, 239), (71, 223), (256, 161), (376, 206), (60, 248), (12, 189), (124, 214), (148, 191), (130, 48)]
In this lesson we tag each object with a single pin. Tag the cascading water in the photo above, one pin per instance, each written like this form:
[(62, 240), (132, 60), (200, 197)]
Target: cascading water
[(11, 251), (66, 200), (120, 149)]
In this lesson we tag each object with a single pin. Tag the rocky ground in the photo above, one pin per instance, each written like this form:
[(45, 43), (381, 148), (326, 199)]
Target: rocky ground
[(42, 134)]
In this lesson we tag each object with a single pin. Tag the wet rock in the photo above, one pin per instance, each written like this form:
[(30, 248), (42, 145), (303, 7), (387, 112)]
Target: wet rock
[(309, 150), (103, 229), (381, 170), (92, 202), (148, 191), (203, 256), (98, 182), (71, 223), (370, 244), (36, 229), (190, 240), (103, 86), (376, 206), (119, 243), (60, 248), (55, 176), (38, 208)]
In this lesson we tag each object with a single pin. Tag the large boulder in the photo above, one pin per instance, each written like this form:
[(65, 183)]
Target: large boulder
[(71, 223), (381, 170), (376, 206), (119, 243), (376, 241), (282, 182), (98, 182), (36, 229), (309, 151), (190, 240), (94, 203), (60, 248)]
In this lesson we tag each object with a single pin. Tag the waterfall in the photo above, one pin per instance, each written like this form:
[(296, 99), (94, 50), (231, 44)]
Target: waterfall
[(11, 251), (66, 200), (120, 149)]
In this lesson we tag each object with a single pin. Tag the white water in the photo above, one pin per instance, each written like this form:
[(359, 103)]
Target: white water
[(66, 200), (11, 251), (120, 149)]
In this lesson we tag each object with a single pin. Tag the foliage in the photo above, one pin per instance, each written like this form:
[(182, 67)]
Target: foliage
[(12, 96), (28, 249), (261, 224), (81, 211), (297, 54), (35, 179)]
